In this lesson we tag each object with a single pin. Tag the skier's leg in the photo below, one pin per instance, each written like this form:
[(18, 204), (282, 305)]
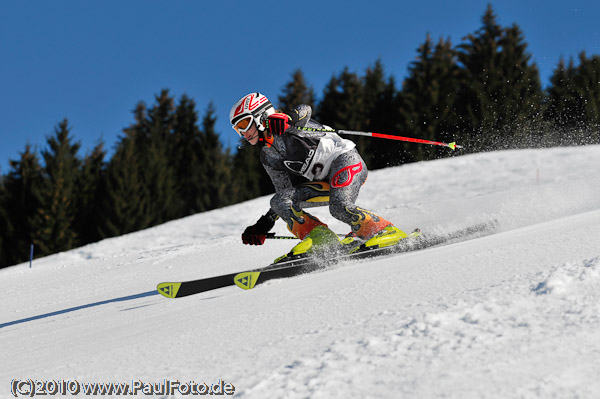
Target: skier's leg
[(315, 235), (349, 172), (289, 204)]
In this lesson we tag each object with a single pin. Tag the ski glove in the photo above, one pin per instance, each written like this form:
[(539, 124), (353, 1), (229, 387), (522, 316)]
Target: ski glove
[(278, 123), (257, 233)]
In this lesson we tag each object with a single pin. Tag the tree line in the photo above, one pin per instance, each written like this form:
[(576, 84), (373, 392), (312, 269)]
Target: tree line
[(485, 93)]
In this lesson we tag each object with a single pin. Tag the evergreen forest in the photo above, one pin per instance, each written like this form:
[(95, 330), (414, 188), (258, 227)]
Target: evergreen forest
[(485, 93)]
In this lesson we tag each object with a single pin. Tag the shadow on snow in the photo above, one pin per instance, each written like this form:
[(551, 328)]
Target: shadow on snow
[(90, 305)]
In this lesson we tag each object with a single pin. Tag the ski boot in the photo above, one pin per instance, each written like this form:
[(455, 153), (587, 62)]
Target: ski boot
[(375, 232), (317, 239), (320, 242), (390, 235), (351, 241)]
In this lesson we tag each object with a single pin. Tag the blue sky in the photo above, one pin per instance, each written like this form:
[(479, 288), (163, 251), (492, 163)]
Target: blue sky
[(93, 61)]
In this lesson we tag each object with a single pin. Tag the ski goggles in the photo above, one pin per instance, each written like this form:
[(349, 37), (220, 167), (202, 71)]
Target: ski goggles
[(243, 125)]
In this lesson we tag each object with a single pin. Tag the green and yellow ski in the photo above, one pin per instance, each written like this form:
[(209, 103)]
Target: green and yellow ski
[(247, 280)]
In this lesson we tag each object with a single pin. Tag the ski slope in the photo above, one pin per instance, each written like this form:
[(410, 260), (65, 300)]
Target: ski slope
[(515, 314)]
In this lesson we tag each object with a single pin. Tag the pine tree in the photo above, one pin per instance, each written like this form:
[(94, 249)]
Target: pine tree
[(521, 108), (153, 137), (563, 107), (296, 92), (187, 158), (124, 205), (250, 180), (479, 81), (21, 200), (144, 159), (343, 107), (573, 101), (55, 216), (427, 97), (500, 87), (6, 227), (381, 115), (216, 165), (588, 84), (88, 189)]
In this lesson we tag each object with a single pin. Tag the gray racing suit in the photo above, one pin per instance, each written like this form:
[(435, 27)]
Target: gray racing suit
[(333, 169)]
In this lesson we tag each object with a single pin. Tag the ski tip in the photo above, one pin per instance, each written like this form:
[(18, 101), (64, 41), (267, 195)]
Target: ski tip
[(246, 280), (168, 290), (452, 145), (416, 233)]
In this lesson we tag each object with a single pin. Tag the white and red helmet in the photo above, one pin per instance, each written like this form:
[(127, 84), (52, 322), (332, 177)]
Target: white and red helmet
[(253, 107)]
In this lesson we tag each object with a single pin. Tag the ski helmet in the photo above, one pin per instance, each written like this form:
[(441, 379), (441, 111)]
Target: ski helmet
[(253, 107)]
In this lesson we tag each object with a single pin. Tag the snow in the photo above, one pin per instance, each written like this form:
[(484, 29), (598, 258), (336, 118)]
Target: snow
[(515, 314)]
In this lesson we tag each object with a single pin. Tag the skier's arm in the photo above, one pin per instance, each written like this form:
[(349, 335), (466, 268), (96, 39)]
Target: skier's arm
[(278, 123), (257, 233), (280, 178), (301, 115)]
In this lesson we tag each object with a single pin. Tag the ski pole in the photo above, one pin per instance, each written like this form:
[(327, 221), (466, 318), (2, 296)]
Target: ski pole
[(272, 236), (452, 145)]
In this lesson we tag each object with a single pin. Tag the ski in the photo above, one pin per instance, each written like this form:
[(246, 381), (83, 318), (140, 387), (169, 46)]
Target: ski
[(251, 278), (185, 288)]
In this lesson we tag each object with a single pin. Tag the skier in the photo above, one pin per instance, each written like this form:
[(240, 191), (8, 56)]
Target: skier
[(332, 170)]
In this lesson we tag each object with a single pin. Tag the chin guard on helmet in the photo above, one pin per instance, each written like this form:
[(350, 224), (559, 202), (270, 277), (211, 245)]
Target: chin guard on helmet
[(267, 138)]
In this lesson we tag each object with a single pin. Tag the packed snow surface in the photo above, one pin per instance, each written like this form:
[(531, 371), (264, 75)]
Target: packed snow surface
[(514, 314)]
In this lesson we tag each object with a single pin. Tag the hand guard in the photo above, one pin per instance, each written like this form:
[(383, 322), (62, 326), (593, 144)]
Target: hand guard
[(278, 123), (257, 233)]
